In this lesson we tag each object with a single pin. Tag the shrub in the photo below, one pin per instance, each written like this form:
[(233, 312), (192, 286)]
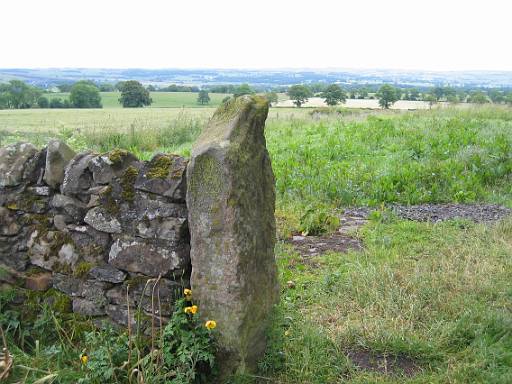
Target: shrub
[(43, 102)]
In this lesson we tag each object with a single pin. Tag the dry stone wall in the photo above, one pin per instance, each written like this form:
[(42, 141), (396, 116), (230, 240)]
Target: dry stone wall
[(100, 227), (92, 225)]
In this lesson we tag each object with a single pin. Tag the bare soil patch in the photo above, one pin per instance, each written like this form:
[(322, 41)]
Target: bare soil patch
[(382, 363), (341, 241), (344, 238), (441, 212)]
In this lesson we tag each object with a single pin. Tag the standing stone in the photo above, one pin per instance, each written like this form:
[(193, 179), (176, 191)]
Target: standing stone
[(58, 155), (231, 200)]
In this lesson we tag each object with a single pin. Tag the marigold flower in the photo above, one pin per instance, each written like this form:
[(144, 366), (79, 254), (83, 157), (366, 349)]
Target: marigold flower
[(192, 309), (210, 324), (188, 294), (84, 358)]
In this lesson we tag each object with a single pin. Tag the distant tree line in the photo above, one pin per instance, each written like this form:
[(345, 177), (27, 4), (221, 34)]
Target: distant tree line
[(18, 95), (388, 94)]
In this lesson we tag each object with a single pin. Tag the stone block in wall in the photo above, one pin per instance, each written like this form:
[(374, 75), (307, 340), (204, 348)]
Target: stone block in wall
[(102, 220), (58, 155), (69, 206), (77, 175), (107, 273), (52, 250), (88, 308), (164, 175), (13, 159), (92, 245), (148, 257), (113, 164)]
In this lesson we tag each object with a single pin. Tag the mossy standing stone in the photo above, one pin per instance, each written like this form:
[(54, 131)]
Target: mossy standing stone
[(231, 201)]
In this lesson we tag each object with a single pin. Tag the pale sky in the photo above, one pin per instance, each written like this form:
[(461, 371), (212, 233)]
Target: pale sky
[(397, 34)]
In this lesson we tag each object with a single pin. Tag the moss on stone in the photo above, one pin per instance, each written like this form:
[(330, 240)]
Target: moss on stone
[(117, 155), (60, 239), (109, 203), (34, 270), (135, 281), (159, 168), (27, 202), (82, 269), (209, 168), (63, 268), (12, 206), (39, 223), (128, 182)]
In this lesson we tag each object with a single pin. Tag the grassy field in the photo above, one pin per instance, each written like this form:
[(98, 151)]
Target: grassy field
[(160, 99), (435, 297)]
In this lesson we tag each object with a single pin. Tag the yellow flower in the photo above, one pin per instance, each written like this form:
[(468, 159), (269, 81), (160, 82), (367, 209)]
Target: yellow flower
[(210, 324), (188, 293), (84, 358), (287, 333), (192, 309)]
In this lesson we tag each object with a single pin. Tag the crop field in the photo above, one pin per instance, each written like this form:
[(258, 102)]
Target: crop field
[(419, 302), (160, 99)]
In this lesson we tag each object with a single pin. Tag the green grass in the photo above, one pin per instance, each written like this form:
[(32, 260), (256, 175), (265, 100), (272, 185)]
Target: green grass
[(160, 99), (430, 156), (436, 294)]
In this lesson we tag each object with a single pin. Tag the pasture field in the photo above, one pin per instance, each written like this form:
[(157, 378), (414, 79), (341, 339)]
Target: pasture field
[(160, 99), (433, 298)]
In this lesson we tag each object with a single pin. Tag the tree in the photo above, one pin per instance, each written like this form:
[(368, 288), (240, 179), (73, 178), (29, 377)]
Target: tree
[(299, 94), (431, 98), (452, 99), (333, 95), (107, 87), (496, 96), (478, 97), (119, 85), (66, 87), (243, 89), (414, 94), (387, 95), (461, 95), (438, 92), (134, 95), (56, 102), (203, 97), (272, 98), (43, 102), (17, 95), (363, 93), (508, 98), (449, 93), (85, 94)]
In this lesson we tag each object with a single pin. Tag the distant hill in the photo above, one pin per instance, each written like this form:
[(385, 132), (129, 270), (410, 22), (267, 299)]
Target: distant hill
[(263, 78)]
